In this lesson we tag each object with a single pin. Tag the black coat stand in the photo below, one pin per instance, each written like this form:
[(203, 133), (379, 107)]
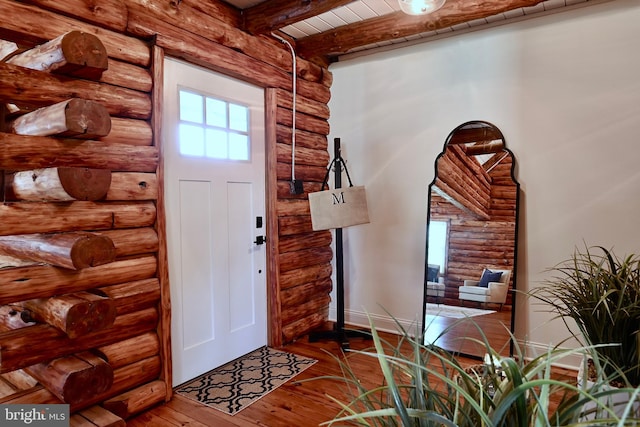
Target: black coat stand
[(339, 332)]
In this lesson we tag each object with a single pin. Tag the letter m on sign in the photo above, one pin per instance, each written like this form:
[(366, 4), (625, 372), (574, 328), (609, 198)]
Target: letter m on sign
[(338, 198)]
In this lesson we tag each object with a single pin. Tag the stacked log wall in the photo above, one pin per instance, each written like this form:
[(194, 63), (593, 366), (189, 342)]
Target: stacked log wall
[(137, 34), (475, 243)]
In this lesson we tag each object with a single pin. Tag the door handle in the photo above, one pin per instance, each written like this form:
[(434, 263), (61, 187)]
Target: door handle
[(260, 240)]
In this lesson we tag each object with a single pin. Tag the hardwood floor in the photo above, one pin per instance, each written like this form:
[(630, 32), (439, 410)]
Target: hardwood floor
[(293, 404), (494, 326)]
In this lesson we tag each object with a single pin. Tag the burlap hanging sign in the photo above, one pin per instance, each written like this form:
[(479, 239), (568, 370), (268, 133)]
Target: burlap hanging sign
[(340, 207)]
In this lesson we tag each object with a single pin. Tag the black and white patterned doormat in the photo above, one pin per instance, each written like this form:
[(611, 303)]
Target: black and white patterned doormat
[(236, 385)]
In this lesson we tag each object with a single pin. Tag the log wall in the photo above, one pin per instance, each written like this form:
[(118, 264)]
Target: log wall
[(133, 280), (475, 243)]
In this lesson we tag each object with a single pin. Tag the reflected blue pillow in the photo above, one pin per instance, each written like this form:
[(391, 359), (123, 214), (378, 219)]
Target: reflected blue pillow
[(489, 276), (432, 274)]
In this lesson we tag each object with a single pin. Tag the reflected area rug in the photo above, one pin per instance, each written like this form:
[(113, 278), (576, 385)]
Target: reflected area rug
[(236, 385), (454, 312)]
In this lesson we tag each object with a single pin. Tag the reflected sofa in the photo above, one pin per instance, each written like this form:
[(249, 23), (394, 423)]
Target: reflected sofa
[(492, 287)]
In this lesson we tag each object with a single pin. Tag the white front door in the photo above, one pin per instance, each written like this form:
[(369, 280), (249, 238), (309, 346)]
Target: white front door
[(213, 140)]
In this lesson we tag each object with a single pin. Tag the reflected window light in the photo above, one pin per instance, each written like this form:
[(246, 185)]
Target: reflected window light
[(438, 244)]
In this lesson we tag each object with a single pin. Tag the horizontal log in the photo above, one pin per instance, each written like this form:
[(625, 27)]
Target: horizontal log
[(137, 400), (133, 186), (305, 241), (303, 156), (21, 152), (74, 53), (19, 284), (303, 121), (485, 148), (293, 330), (305, 139), (124, 378), (6, 388), (37, 395), (292, 207), (77, 118), (19, 379), (74, 216), (75, 250), (34, 89), (110, 14), (129, 132), (133, 296), (284, 189), (221, 30), (469, 135), (132, 241), (131, 350), (8, 261), (305, 258), (298, 295), (58, 184), (76, 314), (299, 276), (127, 378), (212, 55), (202, 51), (303, 105), (40, 343), (313, 304), (303, 172), (294, 225), (479, 245), (96, 416), (127, 75), (33, 23), (74, 378)]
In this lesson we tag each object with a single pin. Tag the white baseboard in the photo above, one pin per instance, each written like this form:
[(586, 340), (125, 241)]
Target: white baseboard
[(381, 322), (571, 361), (388, 324)]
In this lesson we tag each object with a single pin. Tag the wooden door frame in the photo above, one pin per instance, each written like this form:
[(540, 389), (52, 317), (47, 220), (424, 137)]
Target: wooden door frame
[(274, 319)]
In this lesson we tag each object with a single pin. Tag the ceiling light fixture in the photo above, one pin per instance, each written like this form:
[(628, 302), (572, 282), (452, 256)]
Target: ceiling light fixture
[(420, 7)]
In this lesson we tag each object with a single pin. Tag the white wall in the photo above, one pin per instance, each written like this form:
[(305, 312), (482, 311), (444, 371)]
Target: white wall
[(565, 91)]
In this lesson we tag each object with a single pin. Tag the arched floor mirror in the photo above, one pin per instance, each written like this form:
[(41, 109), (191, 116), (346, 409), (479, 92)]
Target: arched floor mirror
[(472, 231)]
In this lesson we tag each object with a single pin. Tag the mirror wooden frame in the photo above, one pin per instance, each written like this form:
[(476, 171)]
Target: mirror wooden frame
[(470, 139)]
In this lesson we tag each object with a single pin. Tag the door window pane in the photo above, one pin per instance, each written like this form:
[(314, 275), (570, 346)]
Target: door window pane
[(191, 140), (216, 113), (217, 144), (213, 128), (238, 117), (238, 146), (190, 107)]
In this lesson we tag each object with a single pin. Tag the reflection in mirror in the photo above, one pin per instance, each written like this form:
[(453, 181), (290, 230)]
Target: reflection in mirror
[(470, 270)]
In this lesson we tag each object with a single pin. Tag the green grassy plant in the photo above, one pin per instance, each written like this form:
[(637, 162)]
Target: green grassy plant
[(601, 293), (423, 385)]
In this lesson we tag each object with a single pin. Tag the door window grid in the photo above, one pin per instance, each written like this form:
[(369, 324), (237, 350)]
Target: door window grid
[(212, 128)]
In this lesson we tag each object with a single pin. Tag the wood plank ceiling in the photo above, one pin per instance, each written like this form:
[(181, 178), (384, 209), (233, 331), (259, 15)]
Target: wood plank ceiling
[(326, 30)]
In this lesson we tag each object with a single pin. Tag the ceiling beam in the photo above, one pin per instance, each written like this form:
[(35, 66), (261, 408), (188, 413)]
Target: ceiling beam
[(467, 135), (272, 15), (397, 25)]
